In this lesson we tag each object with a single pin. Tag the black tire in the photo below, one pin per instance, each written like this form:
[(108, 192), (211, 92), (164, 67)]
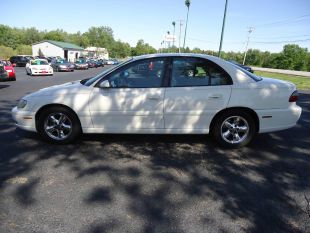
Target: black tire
[(44, 120), (245, 121)]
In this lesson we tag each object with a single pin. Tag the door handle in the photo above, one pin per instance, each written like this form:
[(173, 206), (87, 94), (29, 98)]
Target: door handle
[(153, 98), (215, 96)]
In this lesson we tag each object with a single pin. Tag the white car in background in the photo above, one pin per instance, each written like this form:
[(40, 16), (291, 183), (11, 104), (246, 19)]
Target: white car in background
[(38, 67), (163, 94)]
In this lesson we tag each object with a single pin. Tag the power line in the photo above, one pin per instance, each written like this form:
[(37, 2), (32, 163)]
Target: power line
[(280, 37), (280, 42), (285, 21)]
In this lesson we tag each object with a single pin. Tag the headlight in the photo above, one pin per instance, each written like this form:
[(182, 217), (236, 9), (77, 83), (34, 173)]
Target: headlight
[(22, 103), (34, 68)]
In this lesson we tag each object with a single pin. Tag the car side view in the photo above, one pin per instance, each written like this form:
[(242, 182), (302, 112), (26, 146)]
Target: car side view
[(163, 94)]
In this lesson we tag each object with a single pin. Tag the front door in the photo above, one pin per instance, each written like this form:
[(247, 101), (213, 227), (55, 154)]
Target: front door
[(135, 100)]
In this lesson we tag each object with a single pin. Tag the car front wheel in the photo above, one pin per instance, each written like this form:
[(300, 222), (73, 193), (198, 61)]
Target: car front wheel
[(59, 125), (234, 129)]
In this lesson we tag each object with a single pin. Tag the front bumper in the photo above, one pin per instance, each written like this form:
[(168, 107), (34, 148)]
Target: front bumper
[(40, 72), (24, 119)]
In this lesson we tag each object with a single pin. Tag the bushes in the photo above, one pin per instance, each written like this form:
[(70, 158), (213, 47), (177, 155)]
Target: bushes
[(6, 52)]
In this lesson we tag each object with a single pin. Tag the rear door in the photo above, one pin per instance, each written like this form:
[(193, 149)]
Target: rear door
[(198, 89)]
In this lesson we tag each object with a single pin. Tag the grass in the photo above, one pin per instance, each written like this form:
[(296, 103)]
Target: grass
[(302, 82)]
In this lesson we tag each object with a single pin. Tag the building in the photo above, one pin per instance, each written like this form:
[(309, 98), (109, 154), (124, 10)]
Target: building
[(51, 48), (101, 53)]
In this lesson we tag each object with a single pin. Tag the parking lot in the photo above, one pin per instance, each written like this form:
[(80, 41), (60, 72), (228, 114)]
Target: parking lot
[(149, 183)]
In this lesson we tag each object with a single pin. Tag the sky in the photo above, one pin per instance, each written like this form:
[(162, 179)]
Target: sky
[(275, 22)]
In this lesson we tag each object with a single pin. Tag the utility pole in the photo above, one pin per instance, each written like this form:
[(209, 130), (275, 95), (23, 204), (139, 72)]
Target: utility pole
[(251, 29), (223, 27), (173, 24), (181, 23), (187, 4)]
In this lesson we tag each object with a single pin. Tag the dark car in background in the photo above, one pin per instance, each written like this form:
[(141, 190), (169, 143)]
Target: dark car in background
[(19, 60), (9, 69), (91, 64), (4, 74), (81, 65), (247, 68), (62, 65)]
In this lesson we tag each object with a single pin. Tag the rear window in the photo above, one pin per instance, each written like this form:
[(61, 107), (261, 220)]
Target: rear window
[(251, 75)]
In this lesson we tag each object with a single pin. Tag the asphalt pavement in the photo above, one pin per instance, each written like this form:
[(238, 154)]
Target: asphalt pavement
[(150, 183)]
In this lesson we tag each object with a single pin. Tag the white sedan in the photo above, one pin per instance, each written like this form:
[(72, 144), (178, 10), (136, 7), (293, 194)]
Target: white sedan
[(163, 94), (39, 67)]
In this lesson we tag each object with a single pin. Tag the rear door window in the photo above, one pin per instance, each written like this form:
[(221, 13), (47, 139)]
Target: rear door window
[(191, 71)]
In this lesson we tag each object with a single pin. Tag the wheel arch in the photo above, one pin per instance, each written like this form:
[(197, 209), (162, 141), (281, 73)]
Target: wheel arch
[(245, 109), (43, 108)]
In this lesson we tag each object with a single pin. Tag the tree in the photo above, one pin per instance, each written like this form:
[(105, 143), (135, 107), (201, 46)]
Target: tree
[(120, 49), (294, 57), (57, 35), (142, 48), (100, 37)]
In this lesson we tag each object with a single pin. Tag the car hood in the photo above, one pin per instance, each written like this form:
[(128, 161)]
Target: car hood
[(63, 89)]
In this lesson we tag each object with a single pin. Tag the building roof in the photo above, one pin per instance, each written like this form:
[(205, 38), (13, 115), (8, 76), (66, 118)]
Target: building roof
[(63, 45)]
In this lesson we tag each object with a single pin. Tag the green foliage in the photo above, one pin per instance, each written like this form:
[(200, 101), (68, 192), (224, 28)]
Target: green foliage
[(24, 49), (142, 48), (58, 35), (6, 52)]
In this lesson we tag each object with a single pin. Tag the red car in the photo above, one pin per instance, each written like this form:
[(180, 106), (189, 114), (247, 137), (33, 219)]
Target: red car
[(9, 69)]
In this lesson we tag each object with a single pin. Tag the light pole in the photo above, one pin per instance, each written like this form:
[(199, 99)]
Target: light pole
[(167, 39), (187, 4), (181, 23), (251, 29), (173, 24), (223, 27)]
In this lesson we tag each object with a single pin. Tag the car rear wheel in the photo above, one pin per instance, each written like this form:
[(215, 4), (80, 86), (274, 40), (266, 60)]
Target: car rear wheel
[(59, 125), (234, 129)]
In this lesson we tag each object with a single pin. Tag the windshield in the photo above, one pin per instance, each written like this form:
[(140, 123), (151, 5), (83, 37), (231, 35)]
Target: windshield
[(39, 62), (251, 75), (97, 77)]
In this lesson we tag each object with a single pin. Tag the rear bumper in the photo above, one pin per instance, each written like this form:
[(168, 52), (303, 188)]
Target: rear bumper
[(278, 119), (24, 119), (65, 69)]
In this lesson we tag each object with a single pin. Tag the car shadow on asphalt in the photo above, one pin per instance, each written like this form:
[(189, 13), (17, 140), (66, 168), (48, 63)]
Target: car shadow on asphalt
[(258, 188)]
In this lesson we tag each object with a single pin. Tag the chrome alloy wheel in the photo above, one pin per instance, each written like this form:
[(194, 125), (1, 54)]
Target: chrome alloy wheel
[(234, 129), (58, 126)]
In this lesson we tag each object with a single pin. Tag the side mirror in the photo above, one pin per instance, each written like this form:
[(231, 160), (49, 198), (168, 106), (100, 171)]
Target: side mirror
[(105, 84)]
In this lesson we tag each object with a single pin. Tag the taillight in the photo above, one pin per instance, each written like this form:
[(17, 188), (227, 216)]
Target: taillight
[(293, 97)]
